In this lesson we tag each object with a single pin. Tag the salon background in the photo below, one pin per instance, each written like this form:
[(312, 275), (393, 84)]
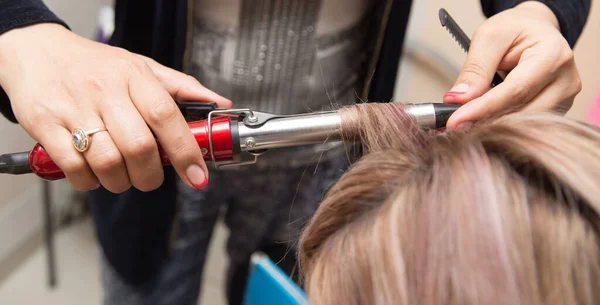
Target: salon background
[(431, 62)]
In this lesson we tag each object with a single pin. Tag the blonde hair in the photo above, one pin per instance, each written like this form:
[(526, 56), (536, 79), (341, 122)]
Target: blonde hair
[(505, 212)]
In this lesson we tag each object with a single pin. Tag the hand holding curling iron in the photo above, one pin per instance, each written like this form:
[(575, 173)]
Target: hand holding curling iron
[(63, 86)]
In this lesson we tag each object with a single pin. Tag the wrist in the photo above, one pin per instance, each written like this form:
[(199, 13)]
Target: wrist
[(21, 43), (540, 11), (30, 36)]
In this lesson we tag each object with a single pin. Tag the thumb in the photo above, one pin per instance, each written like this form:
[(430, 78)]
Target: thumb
[(184, 87), (485, 54)]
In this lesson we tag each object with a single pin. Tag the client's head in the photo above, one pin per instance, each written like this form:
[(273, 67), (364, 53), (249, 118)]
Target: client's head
[(505, 212)]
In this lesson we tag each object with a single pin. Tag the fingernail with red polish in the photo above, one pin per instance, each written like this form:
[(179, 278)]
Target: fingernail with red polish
[(457, 90), (196, 176), (453, 94)]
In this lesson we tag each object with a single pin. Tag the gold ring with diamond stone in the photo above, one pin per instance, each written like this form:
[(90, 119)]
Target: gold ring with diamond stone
[(81, 138)]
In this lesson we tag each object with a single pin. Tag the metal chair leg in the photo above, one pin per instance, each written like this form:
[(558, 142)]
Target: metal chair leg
[(49, 234)]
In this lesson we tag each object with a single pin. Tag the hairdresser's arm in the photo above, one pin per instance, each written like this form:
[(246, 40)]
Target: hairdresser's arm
[(531, 40), (57, 81), (18, 13)]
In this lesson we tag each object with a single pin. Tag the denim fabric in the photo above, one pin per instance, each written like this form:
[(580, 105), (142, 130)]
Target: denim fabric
[(264, 209)]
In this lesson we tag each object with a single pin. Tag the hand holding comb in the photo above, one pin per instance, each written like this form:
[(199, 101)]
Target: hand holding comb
[(462, 38)]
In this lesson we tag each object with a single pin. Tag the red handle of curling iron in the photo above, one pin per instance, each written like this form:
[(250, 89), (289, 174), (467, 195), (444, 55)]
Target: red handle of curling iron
[(42, 165)]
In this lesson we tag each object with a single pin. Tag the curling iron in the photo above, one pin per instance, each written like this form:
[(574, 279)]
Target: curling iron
[(231, 137)]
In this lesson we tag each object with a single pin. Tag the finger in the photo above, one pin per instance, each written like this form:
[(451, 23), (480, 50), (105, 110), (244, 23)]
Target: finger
[(485, 54), (170, 128), (57, 141), (184, 87), (135, 142), (106, 161), (512, 57), (103, 156), (519, 87), (560, 94), (555, 97)]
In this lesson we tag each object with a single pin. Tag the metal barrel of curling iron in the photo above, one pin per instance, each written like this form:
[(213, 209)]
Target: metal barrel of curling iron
[(296, 130)]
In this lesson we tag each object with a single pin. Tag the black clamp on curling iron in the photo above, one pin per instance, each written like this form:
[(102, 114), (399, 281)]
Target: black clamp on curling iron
[(229, 137)]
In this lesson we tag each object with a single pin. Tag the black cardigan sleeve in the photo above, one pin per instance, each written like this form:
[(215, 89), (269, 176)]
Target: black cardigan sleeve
[(571, 14), (19, 13)]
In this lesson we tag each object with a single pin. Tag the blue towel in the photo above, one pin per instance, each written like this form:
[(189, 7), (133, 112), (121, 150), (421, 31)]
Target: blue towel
[(269, 285)]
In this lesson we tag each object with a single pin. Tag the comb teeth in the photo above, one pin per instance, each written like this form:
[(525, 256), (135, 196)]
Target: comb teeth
[(462, 38), (457, 33)]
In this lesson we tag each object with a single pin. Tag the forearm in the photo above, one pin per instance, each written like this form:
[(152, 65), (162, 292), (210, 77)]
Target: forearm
[(571, 14), (20, 13)]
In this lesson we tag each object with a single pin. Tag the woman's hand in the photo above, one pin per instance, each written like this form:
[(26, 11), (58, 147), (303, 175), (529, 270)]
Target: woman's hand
[(526, 41), (58, 81)]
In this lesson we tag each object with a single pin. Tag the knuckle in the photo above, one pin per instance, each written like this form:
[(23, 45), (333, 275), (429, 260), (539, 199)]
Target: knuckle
[(482, 31), (489, 32), (569, 55), (72, 165), (190, 83), (95, 84), (121, 51), (183, 151), (474, 68), (150, 185), (107, 160), (82, 185), (38, 113), (193, 80), (140, 146), (119, 188), (520, 92), (566, 56), (162, 111), (133, 65), (146, 60)]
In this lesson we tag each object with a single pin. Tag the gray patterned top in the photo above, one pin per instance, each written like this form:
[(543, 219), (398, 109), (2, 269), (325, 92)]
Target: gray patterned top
[(274, 56)]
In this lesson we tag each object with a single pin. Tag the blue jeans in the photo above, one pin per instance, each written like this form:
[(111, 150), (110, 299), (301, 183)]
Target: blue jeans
[(264, 209)]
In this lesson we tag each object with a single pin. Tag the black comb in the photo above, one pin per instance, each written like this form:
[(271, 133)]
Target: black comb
[(462, 38)]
